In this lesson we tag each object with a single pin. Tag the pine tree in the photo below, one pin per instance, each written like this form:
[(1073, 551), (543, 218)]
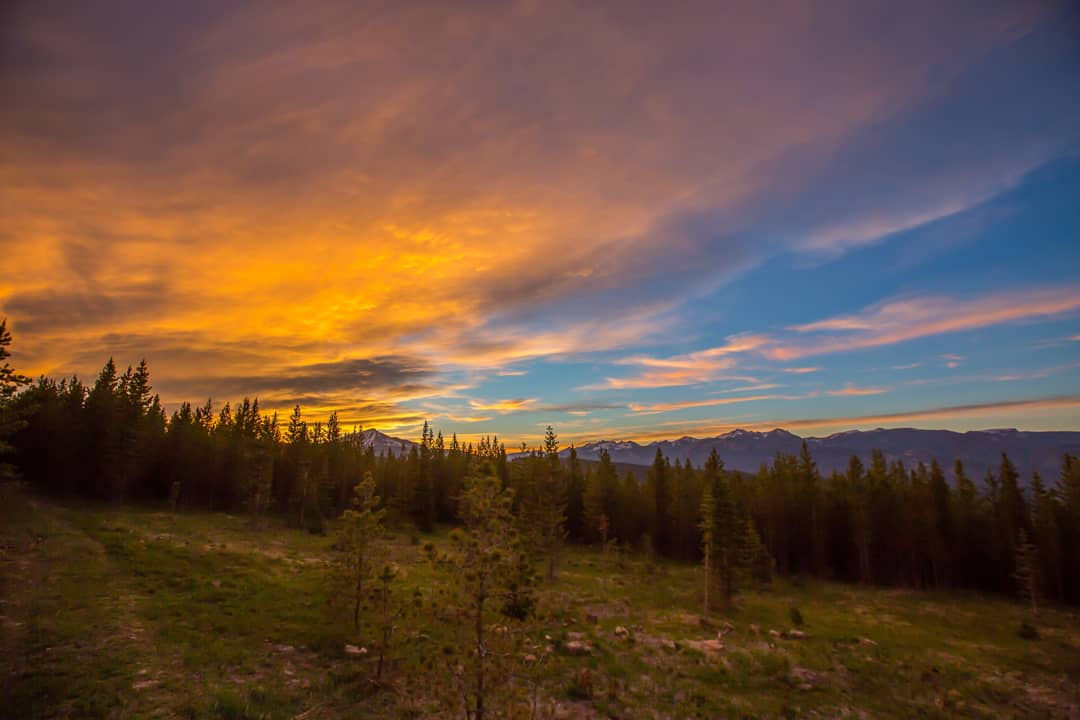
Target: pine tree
[(485, 564), (601, 496), (361, 531), (1068, 490), (1012, 514), (423, 493), (105, 427), (1046, 534), (684, 511), (861, 527), (754, 557), (298, 438), (724, 529), (260, 448), (659, 491), (550, 504), (576, 521), (708, 539), (810, 492), (969, 545), (388, 610), (942, 538), (11, 420)]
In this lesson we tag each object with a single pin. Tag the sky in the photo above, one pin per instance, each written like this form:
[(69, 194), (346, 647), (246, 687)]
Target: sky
[(628, 220)]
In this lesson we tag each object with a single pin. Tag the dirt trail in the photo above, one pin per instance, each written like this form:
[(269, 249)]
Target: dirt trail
[(38, 611)]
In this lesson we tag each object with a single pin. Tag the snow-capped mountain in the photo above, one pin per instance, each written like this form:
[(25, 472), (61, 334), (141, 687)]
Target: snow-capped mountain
[(747, 450), (383, 442)]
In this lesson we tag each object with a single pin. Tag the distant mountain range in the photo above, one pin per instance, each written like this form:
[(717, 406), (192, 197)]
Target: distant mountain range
[(746, 450)]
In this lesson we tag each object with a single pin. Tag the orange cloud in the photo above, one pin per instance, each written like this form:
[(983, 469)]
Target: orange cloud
[(504, 406), (260, 196), (468, 418)]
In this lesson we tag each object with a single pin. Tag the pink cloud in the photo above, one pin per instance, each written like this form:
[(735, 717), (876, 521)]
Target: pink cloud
[(688, 404), (852, 391), (902, 320)]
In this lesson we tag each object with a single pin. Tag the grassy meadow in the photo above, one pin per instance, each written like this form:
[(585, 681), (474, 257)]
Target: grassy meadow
[(118, 612)]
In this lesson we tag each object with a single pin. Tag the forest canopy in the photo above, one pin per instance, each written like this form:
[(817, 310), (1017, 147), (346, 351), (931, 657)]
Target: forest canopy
[(883, 523)]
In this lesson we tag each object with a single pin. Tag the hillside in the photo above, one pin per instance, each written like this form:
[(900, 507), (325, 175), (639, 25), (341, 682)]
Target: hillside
[(112, 611)]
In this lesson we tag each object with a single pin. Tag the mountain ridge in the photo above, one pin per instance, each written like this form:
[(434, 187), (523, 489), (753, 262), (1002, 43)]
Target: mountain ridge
[(746, 450)]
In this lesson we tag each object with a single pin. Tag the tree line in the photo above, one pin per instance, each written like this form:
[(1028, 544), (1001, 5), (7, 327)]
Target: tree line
[(883, 523)]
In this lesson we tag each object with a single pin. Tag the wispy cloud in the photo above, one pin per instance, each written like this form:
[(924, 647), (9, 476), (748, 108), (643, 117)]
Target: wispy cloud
[(703, 366), (887, 323), (935, 413), (1035, 374), (747, 388), (897, 321), (644, 409), (952, 360), (852, 391), (698, 428), (994, 377), (504, 406)]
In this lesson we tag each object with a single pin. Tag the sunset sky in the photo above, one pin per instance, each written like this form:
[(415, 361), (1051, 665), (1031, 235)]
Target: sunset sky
[(627, 220)]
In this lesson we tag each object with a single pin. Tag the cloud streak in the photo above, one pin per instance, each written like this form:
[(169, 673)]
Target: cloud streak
[(852, 391), (645, 409), (504, 406), (888, 323), (899, 321), (699, 428)]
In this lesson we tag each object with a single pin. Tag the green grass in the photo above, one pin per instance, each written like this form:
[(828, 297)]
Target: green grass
[(126, 612)]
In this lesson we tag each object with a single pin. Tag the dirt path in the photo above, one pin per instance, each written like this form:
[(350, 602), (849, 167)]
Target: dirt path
[(70, 622)]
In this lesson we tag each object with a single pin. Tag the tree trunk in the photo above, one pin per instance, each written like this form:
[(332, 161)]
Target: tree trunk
[(708, 578), (479, 658), (551, 560), (387, 629), (359, 591)]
